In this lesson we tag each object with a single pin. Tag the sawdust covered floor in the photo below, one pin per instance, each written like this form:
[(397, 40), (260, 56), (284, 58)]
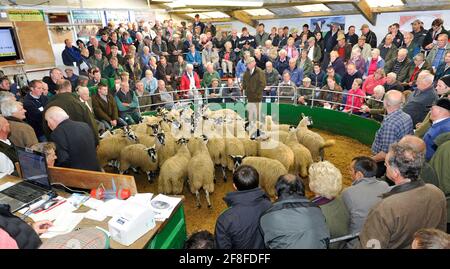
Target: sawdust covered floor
[(340, 155)]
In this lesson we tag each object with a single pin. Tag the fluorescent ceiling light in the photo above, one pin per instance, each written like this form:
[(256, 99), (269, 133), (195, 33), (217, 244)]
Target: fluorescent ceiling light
[(210, 15), (311, 8), (214, 3), (384, 3), (258, 12)]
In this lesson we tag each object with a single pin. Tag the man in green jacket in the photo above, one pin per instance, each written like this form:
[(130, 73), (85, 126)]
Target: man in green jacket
[(209, 75), (253, 84), (114, 69)]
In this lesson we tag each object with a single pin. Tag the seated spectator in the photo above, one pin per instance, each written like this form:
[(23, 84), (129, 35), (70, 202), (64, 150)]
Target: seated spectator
[(247, 47), (325, 181), (84, 65), (22, 134), (355, 98), (73, 78), (374, 63), (150, 83), (291, 50), (34, 103), (337, 63), (5, 84), (343, 49), (133, 68), (178, 69), (399, 65), (442, 89), (374, 80), (417, 105), (160, 47), (363, 47), (193, 57), (144, 97), (388, 51), (214, 92), (55, 75), (97, 78), (115, 53), (228, 58), (317, 76), (444, 68), (374, 104), (230, 90), (282, 61), (71, 55), (364, 193), (209, 75), (164, 71), (392, 83), (145, 57), (270, 50), (296, 74), (349, 77), (293, 222), (330, 100), (350, 36), (113, 69), (238, 227), (115, 42), (272, 80), (357, 60), (304, 63), (105, 108), (410, 45), (73, 151), (210, 55), (260, 59), (437, 53), (8, 155), (305, 92), (127, 104), (93, 46), (162, 98), (440, 116), (49, 150), (175, 48), (430, 239), (314, 51), (411, 204), (420, 64), (286, 88), (189, 81), (200, 240)]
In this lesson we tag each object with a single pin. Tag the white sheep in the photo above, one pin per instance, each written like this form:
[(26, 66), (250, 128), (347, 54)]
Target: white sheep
[(311, 140), (270, 148), (165, 146), (272, 126), (139, 155), (146, 139), (201, 171), (250, 146), (174, 171), (302, 156), (233, 147), (269, 171), (110, 147)]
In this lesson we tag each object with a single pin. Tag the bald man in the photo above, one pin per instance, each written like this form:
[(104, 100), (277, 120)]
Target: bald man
[(394, 127), (75, 142)]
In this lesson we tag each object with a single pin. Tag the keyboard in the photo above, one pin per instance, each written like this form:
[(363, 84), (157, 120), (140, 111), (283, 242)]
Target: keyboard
[(23, 192)]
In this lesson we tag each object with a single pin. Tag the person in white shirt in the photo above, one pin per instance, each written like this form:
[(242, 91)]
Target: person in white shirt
[(8, 154)]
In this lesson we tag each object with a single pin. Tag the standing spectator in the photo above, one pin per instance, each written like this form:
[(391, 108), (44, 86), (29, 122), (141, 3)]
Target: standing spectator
[(246, 37), (197, 22), (374, 63), (325, 181), (317, 76), (71, 55), (397, 35), (127, 104), (371, 38), (34, 103), (440, 116), (261, 36), (378, 78), (330, 39), (437, 28), (343, 48), (282, 61), (73, 151), (272, 79), (355, 98), (22, 135), (388, 50), (392, 83), (85, 99), (228, 58), (253, 84), (273, 33), (395, 125), (306, 31), (320, 43), (314, 51), (411, 204), (357, 60), (238, 226), (437, 53), (419, 33), (417, 105), (410, 45), (280, 40), (105, 108), (293, 222), (364, 48), (399, 65), (351, 37)]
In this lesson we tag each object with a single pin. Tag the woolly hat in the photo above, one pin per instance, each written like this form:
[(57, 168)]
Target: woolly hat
[(446, 80)]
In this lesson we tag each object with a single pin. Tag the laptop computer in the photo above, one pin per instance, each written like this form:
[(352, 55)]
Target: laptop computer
[(36, 181)]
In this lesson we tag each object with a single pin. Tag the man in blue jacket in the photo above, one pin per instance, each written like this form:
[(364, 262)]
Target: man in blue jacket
[(70, 54), (440, 115)]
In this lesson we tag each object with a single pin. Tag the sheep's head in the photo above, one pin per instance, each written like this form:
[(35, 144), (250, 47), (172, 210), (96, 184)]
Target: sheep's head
[(161, 138), (237, 160), (204, 138), (306, 121), (176, 124), (182, 141), (152, 153), (130, 134), (292, 128), (155, 128), (258, 135)]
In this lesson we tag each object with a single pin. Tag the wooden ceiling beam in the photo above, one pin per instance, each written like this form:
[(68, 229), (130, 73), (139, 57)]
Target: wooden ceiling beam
[(409, 8), (243, 16), (363, 7), (305, 15)]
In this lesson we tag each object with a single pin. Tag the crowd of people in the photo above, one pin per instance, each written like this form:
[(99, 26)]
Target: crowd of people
[(403, 82)]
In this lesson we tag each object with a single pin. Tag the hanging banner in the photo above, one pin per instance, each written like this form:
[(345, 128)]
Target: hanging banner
[(144, 15), (86, 17), (25, 15), (117, 16)]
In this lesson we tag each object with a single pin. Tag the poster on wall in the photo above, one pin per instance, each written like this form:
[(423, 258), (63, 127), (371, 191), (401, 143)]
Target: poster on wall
[(324, 24), (426, 18), (223, 27), (117, 16), (144, 15), (25, 15), (86, 17)]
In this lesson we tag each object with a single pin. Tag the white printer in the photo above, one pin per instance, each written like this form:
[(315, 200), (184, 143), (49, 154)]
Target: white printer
[(130, 223)]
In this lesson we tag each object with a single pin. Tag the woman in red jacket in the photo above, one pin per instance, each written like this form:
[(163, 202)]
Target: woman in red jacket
[(189, 80)]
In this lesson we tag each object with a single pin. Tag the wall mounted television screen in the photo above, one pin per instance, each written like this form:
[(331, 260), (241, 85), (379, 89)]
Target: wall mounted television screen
[(8, 45)]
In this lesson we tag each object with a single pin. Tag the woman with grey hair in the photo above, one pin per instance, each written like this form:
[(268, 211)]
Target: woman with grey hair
[(325, 180)]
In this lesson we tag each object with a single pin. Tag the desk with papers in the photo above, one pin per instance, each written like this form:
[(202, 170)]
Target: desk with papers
[(168, 233)]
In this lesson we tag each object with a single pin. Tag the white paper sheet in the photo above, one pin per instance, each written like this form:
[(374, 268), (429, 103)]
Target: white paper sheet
[(141, 198), (6, 185), (163, 205), (65, 223), (95, 215), (93, 203)]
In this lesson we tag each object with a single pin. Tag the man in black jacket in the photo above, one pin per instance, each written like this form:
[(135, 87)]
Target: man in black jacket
[(75, 142), (34, 103), (238, 226), (371, 38)]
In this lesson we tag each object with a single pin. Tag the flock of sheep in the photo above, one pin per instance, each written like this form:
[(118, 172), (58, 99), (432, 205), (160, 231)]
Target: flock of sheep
[(185, 144)]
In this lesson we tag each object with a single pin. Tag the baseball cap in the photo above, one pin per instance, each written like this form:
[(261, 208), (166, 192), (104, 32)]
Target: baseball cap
[(364, 26), (417, 21), (443, 102), (340, 36)]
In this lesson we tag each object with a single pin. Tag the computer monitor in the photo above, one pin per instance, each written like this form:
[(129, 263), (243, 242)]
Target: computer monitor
[(33, 166), (8, 45)]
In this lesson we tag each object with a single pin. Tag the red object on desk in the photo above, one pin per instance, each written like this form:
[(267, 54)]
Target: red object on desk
[(57, 204)]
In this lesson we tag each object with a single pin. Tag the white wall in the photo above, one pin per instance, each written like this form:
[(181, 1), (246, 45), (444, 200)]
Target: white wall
[(382, 23)]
